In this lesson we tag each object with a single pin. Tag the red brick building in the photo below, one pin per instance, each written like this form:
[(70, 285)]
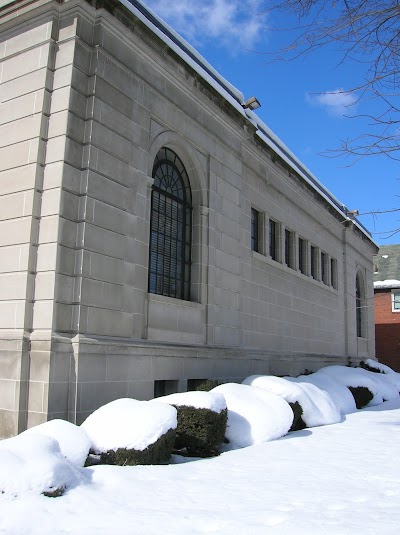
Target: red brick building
[(387, 305)]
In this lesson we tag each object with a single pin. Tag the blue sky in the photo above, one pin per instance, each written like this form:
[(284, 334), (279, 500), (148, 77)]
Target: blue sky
[(297, 101)]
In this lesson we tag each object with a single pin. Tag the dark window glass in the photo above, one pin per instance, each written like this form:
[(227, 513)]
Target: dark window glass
[(333, 273), (288, 248), (254, 230), (272, 239), (323, 268), (170, 228), (302, 256), (313, 262)]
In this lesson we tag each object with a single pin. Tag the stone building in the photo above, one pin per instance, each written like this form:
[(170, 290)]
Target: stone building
[(387, 305), (154, 232)]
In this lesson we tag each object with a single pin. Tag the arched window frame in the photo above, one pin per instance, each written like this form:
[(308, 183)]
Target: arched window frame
[(170, 227)]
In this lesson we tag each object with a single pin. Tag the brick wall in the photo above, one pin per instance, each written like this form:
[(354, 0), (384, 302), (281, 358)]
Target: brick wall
[(387, 330)]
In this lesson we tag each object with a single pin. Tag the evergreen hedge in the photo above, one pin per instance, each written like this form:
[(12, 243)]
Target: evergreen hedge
[(199, 431), (298, 422), (157, 453), (362, 395), (208, 385)]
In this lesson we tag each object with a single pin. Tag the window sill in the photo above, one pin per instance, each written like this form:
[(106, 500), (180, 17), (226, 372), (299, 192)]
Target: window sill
[(156, 298), (275, 263)]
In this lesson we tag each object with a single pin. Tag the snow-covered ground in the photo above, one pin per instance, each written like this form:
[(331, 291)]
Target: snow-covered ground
[(338, 479)]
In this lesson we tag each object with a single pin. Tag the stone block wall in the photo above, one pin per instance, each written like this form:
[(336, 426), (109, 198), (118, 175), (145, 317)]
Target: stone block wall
[(88, 97)]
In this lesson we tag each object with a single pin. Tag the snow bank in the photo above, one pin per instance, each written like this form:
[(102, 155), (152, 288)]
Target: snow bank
[(129, 423), (386, 373), (379, 366), (254, 415), (73, 440), (358, 377), (200, 400), (340, 394), (318, 407), (34, 463)]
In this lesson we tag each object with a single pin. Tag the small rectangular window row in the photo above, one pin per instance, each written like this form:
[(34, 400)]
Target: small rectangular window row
[(295, 252)]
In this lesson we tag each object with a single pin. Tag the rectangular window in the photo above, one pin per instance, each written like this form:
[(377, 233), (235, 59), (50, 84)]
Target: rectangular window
[(313, 262), (302, 256), (334, 281), (288, 248), (324, 270), (165, 387), (396, 301), (273, 242), (255, 221)]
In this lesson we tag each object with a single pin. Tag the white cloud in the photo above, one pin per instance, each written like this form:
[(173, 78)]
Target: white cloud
[(336, 102), (233, 24)]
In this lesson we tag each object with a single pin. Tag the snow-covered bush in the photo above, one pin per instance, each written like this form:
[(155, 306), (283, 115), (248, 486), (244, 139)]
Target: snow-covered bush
[(73, 440), (208, 385), (386, 372), (362, 395), (318, 408), (34, 463), (130, 432), (337, 391), (381, 389), (254, 415), (202, 418)]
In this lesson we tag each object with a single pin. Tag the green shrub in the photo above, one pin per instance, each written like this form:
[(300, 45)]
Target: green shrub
[(199, 431), (157, 453), (362, 395), (298, 422), (369, 368), (208, 385)]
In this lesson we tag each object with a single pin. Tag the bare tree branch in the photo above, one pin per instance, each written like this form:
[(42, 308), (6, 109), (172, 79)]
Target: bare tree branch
[(367, 32)]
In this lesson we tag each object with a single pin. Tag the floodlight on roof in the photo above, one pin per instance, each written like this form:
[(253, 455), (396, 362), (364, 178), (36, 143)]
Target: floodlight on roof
[(251, 104), (351, 214)]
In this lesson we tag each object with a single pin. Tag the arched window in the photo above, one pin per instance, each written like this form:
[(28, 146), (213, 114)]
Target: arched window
[(170, 227), (360, 299)]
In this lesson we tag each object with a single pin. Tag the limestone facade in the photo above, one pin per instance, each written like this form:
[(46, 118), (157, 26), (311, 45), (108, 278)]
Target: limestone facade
[(89, 94)]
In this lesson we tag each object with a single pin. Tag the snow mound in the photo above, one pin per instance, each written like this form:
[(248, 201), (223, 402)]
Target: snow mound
[(129, 423), (386, 373), (254, 415), (318, 407), (379, 366), (358, 377), (340, 394), (34, 463), (73, 440), (199, 400), (322, 410)]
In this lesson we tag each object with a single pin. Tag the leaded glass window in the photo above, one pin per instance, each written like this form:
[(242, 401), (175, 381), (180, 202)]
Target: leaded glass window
[(170, 227)]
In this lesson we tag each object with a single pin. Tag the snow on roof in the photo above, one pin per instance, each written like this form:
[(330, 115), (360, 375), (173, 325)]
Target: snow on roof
[(390, 283), (185, 51)]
